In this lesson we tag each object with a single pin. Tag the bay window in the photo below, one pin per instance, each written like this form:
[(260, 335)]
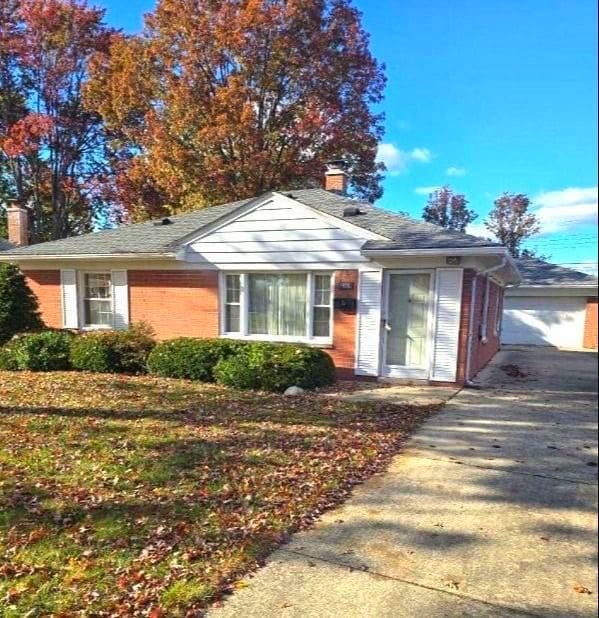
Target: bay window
[(278, 306)]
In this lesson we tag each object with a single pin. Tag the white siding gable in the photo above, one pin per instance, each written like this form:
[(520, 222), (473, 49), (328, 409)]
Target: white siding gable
[(280, 231), (447, 324)]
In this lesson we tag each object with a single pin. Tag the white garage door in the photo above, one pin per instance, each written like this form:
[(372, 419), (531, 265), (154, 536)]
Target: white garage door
[(544, 320)]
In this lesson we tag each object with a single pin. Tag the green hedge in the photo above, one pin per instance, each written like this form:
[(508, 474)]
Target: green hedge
[(275, 367), (46, 351), (8, 361), (113, 351), (189, 358), (239, 364)]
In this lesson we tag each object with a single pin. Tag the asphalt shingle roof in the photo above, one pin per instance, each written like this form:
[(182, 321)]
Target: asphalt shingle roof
[(144, 237), (398, 230), (401, 231), (538, 272)]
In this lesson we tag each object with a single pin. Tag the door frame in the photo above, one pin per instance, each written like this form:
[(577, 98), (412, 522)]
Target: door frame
[(398, 371)]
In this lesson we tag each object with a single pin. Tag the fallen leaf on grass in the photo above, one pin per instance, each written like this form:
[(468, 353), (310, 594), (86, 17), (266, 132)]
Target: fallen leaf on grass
[(452, 583), (239, 585), (582, 589)]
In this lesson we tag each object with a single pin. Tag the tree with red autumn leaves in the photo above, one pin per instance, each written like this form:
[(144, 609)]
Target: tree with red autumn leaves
[(51, 147), (511, 222), (449, 210), (218, 101)]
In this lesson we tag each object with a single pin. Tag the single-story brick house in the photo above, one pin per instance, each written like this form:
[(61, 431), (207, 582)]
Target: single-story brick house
[(552, 306), (384, 294)]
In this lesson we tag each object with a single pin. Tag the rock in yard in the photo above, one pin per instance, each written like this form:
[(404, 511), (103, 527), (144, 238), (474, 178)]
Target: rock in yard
[(294, 391)]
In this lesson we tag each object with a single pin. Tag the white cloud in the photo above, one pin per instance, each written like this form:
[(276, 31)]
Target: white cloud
[(478, 229), (422, 155), (397, 160), (563, 210), (425, 190), (456, 171)]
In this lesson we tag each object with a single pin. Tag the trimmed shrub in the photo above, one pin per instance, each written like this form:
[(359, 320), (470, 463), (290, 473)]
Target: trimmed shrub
[(236, 373), (47, 351), (275, 367), (113, 351), (8, 361), (191, 359), (18, 305)]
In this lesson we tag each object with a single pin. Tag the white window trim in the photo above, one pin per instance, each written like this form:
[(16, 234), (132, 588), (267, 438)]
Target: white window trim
[(244, 308), (81, 300)]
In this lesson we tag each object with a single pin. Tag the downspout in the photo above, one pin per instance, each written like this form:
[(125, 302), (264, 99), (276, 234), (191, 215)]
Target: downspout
[(504, 261)]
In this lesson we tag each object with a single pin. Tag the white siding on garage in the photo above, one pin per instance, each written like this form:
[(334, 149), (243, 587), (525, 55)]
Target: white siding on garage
[(278, 232), (369, 323), (544, 320), (447, 324)]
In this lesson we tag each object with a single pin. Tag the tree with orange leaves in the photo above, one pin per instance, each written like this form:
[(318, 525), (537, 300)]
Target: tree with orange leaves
[(221, 100)]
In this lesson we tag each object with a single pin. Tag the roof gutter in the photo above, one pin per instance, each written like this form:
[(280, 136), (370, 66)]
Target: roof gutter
[(6, 256), (465, 251), (507, 259)]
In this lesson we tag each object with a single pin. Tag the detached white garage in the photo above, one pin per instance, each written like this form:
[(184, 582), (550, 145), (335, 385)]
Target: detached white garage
[(553, 306)]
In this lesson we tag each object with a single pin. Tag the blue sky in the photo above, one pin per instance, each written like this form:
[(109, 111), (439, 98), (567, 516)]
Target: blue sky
[(487, 97)]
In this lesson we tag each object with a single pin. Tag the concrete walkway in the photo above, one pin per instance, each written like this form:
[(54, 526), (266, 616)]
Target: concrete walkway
[(490, 511)]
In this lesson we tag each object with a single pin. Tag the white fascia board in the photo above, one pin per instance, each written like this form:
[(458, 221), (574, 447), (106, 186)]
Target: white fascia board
[(502, 252), (434, 252), (88, 256), (553, 290)]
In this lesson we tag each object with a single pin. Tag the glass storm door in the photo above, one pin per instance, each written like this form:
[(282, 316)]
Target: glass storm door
[(407, 325)]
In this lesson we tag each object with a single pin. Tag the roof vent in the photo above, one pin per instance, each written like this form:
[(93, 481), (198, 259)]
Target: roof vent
[(165, 221), (352, 211)]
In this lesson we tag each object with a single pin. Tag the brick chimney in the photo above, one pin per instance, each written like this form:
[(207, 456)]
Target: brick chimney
[(336, 178), (18, 225)]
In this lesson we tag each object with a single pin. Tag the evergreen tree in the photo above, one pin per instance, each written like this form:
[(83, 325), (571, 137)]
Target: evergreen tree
[(18, 304)]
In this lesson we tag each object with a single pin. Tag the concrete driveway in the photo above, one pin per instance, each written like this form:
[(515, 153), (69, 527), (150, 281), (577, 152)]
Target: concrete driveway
[(490, 511)]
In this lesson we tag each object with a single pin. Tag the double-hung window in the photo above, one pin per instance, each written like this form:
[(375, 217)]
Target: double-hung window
[(278, 306), (97, 299)]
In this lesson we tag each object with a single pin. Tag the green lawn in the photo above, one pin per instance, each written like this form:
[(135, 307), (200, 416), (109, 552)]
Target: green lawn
[(140, 496)]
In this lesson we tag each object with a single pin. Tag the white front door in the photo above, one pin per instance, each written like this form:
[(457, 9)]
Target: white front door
[(407, 324)]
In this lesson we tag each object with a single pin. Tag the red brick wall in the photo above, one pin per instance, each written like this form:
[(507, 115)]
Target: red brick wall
[(343, 351), (590, 325), (176, 303), (45, 284), (483, 352), (464, 326), (185, 303)]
